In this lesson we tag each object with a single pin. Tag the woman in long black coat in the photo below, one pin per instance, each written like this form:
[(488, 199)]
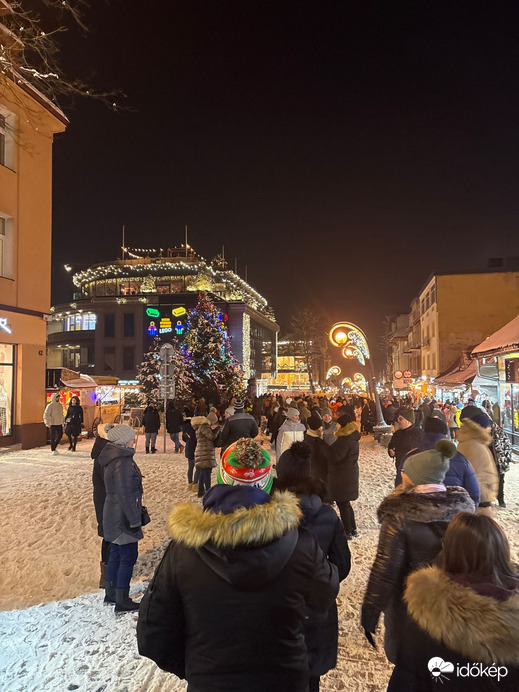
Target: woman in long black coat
[(343, 474), (73, 423), (321, 634), (99, 498)]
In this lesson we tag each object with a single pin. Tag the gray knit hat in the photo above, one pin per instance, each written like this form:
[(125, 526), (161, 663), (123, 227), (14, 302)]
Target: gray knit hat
[(119, 434), (292, 412), (430, 466)]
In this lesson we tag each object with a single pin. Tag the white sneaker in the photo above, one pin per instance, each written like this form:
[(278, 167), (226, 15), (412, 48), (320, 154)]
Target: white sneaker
[(55, 452)]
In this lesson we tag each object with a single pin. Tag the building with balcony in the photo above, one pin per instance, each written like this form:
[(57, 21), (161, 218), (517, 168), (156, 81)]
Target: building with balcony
[(120, 306), (28, 123)]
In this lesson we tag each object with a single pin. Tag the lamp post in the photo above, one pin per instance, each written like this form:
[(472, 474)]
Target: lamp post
[(354, 345)]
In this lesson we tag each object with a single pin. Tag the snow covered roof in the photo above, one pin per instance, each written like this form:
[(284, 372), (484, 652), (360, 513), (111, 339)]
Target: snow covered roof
[(458, 376), (505, 339)]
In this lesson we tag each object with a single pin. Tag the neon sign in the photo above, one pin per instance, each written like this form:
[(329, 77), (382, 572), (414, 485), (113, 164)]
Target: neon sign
[(165, 325), (152, 329)]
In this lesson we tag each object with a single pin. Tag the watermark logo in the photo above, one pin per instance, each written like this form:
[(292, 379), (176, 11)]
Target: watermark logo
[(438, 669)]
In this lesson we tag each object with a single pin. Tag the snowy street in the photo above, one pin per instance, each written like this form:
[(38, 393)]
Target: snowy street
[(50, 556)]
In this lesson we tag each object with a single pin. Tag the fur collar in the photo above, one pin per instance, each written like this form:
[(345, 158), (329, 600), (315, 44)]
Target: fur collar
[(347, 430), (478, 627), (259, 525), (425, 507), (199, 420), (472, 431), (314, 433)]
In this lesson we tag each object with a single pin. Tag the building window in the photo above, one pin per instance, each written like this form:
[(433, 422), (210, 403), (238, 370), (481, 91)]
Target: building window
[(110, 325), (434, 361), (6, 388), (129, 324), (433, 294), (76, 323), (128, 358), (6, 246), (7, 127), (109, 359), (427, 301)]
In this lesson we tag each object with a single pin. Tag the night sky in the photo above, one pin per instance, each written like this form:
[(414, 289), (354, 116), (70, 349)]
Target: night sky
[(342, 150)]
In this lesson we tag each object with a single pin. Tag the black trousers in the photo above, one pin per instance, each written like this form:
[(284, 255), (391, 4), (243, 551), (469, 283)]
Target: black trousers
[(501, 488), (313, 683), (56, 433), (347, 517)]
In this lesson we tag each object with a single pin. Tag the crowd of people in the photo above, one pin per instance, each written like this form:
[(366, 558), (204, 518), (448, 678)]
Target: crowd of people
[(269, 543)]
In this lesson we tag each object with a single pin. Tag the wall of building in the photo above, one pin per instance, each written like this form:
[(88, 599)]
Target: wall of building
[(471, 307), (25, 201)]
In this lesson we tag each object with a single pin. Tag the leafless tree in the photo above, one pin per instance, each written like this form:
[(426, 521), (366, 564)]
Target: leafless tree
[(29, 50), (307, 329)]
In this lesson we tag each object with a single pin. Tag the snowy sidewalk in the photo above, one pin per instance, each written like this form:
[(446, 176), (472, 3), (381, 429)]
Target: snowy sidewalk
[(50, 552)]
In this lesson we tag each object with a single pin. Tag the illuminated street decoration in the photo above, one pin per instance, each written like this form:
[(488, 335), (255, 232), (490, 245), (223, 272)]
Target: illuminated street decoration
[(334, 371), (351, 340), (347, 383), (360, 381)]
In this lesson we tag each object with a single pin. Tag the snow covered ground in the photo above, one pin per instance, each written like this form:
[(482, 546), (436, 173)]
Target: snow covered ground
[(50, 556)]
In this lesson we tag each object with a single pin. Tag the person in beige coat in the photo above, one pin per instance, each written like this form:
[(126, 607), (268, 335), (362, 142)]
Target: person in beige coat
[(206, 431), (474, 439)]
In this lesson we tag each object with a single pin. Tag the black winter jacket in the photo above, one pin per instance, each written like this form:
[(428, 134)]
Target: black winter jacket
[(151, 420), (189, 438), (98, 482), (321, 634), (411, 532), (319, 458), (451, 622), (226, 607), (123, 483), (403, 441), (343, 473), (174, 420), (238, 426), (74, 421)]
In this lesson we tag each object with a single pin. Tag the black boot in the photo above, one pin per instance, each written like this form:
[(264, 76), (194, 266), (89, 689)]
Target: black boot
[(109, 593), (123, 603), (147, 451), (153, 450), (102, 578)]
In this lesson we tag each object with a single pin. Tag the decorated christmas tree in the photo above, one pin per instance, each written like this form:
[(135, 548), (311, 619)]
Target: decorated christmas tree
[(148, 375), (205, 364)]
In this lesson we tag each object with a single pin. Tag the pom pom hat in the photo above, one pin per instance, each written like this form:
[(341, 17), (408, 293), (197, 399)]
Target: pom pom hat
[(431, 466), (245, 463), (119, 434)]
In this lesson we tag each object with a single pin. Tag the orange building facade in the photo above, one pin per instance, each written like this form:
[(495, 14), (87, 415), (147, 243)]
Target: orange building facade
[(28, 123)]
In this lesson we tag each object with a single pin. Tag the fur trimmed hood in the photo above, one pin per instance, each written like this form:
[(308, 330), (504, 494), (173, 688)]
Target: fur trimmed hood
[(199, 420), (248, 548), (348, 430), (425, 507), (478, 627), (472, 431), (259, 525)]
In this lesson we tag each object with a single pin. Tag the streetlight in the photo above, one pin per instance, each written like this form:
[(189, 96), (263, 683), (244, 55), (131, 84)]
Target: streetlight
[(354, 345)]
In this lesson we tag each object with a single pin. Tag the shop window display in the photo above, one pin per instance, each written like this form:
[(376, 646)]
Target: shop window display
[(6, 388)]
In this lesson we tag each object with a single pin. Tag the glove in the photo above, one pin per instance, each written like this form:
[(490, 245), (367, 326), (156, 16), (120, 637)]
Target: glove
[(369, 637)]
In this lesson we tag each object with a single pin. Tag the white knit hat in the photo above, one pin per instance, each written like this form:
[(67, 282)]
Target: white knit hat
[(119, 434)]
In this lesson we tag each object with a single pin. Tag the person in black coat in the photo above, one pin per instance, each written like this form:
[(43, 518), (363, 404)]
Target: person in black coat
[(462, 614), (240, 425), (413, 519), (319, 450), (99, 498), (189, 438), (122, 514), (227, 605), (151, 425), (73, 423), (403, 440), (174, 420), (343, 471), (321, 520)]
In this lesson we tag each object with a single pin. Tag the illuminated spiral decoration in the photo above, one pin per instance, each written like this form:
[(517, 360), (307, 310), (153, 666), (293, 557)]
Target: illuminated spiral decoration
[(347, 383), (334, 371), (360, 381), (351, 340)]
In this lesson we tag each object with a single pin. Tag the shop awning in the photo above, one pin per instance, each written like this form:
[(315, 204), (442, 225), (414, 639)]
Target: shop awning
[(505, 339), (81, 382), (458, 377)]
